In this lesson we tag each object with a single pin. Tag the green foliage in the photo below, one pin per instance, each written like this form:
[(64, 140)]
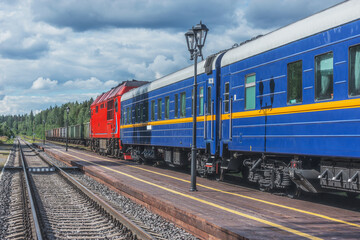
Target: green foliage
[(54, 117)]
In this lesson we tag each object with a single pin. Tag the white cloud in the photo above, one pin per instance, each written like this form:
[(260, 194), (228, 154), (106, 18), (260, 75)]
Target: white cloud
[(44, 83), (37, 38), (4, 36), (92, 83), (24, 104)]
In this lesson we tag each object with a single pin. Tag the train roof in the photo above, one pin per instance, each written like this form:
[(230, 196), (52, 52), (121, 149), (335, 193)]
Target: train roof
[(117, 91), (332, 17), (172, 78)]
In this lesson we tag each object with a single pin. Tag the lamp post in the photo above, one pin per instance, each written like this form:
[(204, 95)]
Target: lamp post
[(67, 130), (44, 132), (195, 39), (33, 131)]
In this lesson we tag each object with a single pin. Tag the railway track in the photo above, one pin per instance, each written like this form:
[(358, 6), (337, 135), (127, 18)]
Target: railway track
[(47, 203)]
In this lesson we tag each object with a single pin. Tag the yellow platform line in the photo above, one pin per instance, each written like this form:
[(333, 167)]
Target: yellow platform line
[(275, 225), (236, 194)]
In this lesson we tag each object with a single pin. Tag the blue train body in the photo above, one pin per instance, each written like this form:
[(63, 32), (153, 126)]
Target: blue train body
[(278, 108)]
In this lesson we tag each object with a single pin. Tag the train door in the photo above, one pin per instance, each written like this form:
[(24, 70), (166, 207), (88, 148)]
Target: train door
[(225, 109), (242, 119), (209, 110)]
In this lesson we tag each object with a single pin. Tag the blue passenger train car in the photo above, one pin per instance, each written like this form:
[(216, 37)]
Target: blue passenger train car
[(293, 95), (157, 117), (283, 108)]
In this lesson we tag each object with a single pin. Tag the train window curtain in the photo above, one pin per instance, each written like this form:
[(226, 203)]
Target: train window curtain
[(354, 78)]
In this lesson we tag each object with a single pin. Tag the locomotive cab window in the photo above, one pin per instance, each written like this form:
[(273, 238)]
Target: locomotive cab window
[(159, 109), (182, 104), (324, 69), (116, 105), (226, 98), (294, 82), (97, 109), (250, 91), (167, 107), (354, 71), (152, 110)]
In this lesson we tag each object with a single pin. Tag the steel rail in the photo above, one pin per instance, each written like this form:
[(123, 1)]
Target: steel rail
[(138, 231), (31, 197)]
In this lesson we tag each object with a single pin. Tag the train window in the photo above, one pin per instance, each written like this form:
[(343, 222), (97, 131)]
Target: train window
[(137, 113), (176, 105), (324, 68), (122, 117), (146, 111), (141, 112), (128, 115), (116, 105), (192, 102), (182, 104), (226, 98), (167, 107), (201, 101), (354, 71), (294, 82), (152, 110), (209, 100), (250, 91), (159, 109), (97, 109)]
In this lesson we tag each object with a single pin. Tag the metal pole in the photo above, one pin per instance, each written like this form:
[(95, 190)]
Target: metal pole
[(33, 131), (44, 133), (67, 130), (193, 146)]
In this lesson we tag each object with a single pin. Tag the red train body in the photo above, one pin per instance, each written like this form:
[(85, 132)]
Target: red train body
[(105, 118)]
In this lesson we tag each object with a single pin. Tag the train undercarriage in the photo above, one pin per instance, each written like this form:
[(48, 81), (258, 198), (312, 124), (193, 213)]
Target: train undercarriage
[(289, 174)]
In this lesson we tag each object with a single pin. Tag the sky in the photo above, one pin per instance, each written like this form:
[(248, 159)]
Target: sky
[(53, 52)]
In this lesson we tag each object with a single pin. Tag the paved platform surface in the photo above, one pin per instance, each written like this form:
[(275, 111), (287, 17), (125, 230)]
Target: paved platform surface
[(217, 210)]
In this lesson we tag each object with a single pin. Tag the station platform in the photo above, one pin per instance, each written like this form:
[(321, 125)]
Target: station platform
[(217, 210)]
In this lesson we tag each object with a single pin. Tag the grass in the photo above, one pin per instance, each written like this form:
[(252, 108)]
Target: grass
[(5, 147), (6, 140)]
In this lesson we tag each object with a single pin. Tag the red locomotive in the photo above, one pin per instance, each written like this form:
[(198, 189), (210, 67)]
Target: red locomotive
[(105, 119)]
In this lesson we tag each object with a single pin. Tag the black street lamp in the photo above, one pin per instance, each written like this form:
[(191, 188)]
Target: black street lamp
[(195, 39), (33, 131), (44, 132), (67, 130)]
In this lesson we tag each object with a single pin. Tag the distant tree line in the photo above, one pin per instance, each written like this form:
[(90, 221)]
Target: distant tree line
[(54, 117)]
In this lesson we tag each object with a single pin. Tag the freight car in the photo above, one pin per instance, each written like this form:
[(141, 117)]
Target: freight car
[(283, 108), (78, 134)]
